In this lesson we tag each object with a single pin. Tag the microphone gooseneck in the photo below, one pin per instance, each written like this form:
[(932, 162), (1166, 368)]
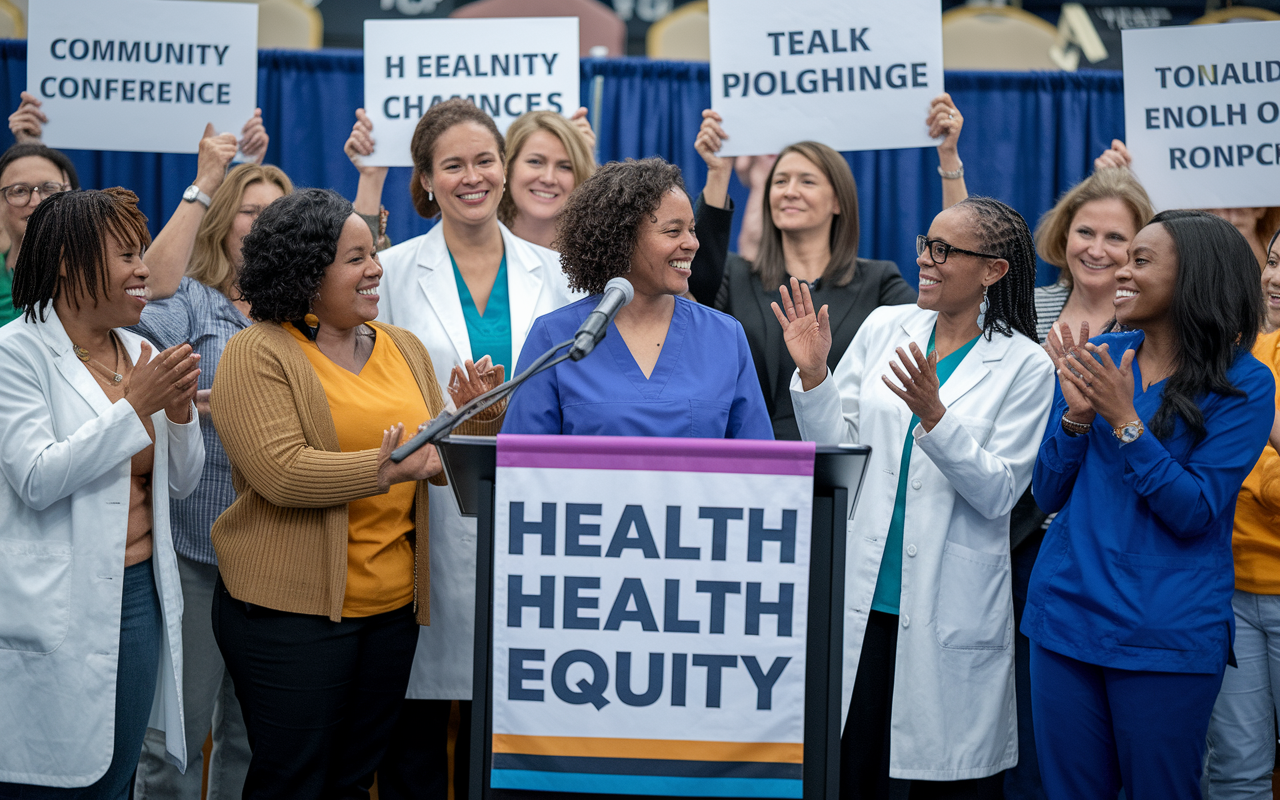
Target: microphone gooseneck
[(617, 293)]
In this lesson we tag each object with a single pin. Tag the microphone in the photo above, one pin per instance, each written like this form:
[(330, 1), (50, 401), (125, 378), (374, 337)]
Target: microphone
[(617, 293)]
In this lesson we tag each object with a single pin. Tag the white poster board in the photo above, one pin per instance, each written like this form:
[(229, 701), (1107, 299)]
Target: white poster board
[(854, 74), (141, 75), (1202, 114), (505, 66), (649, 625)]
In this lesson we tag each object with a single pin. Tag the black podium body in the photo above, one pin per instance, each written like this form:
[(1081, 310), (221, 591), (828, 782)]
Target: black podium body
[(471, 465)]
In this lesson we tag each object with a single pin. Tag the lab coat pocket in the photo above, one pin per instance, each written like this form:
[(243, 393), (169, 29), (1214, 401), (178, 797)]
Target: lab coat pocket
[(974, 605), (1163, 601), (35, 595)]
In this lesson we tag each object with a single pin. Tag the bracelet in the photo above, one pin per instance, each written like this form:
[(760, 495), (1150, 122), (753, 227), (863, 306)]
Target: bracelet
[(951, 175), (1074, 428)]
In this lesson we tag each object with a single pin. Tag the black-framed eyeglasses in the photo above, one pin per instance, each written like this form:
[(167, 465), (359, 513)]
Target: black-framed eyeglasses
[(19, 194), (939, 250)]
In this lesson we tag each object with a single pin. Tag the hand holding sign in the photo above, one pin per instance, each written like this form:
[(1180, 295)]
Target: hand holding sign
[(1115, 157), (360, 145), (215, 153), (26, 123), (254, 139)]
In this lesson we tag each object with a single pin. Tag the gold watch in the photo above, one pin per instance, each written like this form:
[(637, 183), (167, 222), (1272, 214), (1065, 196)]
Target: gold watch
[(1129, 431)]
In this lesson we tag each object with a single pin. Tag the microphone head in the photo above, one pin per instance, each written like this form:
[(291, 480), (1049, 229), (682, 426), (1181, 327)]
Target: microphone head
[(623, 285)]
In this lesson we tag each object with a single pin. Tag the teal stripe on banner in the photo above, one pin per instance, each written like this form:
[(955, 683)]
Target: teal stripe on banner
[(644, 784)]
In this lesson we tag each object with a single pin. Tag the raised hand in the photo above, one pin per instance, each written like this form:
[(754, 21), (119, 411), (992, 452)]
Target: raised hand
[(710, 139), (807, 333), (1059, 346), (27, 123), (421, 464), (919, 377), (471, 380), (1117, 156), (254, 139), (580, 121), (168, 381), (215, 153), (360, 144), (945, 122)]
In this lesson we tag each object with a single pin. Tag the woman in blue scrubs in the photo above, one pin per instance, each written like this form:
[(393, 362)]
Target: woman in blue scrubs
[(1152, 431), (667, 366)]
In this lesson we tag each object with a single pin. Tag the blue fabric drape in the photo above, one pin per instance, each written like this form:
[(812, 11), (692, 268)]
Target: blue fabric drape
[(1027, 138)]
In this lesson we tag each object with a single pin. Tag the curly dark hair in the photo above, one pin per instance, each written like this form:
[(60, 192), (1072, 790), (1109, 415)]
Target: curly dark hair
[(422, 148), (286, 253), (65, 248), (1011, 304), (598, 227)]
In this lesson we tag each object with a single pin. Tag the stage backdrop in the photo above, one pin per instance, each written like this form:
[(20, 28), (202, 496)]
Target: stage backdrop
[(1027, 138)]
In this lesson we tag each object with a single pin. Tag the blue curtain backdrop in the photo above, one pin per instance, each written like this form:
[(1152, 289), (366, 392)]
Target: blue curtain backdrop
[(1027, 138)]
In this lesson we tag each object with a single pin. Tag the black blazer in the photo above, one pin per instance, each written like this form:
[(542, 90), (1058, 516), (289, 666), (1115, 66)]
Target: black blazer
[(740, 294)]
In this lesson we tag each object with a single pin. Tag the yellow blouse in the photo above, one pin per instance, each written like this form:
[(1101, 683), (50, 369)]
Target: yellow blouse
[(1256, 539), (379, 553)]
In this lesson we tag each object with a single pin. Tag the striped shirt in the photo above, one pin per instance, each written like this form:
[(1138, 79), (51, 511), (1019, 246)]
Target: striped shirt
[(206, 319), (1050, 301)]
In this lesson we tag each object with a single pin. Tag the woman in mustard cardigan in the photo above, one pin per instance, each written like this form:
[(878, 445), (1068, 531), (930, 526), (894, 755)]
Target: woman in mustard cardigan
[(323, 555)]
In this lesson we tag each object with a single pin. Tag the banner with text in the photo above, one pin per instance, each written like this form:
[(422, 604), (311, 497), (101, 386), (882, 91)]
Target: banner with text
[(650, 605), (505, 66), (1202, 114), (142, 75), (855, 75)]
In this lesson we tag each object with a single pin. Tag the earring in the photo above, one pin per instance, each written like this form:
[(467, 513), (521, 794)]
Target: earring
[(982, 309), (430, 197)]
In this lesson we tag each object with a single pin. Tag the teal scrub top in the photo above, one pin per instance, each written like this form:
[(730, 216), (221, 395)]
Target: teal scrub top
[(490, 332), (889, 581)]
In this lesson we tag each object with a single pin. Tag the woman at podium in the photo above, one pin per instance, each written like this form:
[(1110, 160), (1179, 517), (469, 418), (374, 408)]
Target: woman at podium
[(949, 393), (667, 366)]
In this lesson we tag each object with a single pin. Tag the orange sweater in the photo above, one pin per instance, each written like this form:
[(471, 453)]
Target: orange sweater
[(283, 543), (1256, 538)]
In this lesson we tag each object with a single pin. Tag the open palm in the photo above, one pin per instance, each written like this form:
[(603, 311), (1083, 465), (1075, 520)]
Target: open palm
[(806, 332)]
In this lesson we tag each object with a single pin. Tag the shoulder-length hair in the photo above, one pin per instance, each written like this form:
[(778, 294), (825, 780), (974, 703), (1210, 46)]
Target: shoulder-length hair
[(770, 264), (210, 262), (1111, 183), (422, 148), (286, 254), (66, 247), (580, 158), (1216, 311)]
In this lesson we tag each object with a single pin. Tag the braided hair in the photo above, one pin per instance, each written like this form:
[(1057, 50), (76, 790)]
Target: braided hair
[(1010, 300)]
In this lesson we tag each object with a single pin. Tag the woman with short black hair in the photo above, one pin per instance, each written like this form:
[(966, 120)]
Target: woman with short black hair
[(1153, 429), (948, 392), (667, 366), (323, 554)]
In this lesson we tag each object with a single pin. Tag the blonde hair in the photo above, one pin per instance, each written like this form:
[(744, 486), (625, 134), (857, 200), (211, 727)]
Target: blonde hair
[(1111, 183), (527, 124), (210, 262)]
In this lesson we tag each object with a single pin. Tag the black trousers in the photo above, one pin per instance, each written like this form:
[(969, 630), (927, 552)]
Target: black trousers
[(864, 748), (320, 698), (416, 764)]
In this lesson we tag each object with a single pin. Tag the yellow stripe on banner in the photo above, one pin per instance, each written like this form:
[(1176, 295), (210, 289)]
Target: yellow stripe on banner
[(673, 749)]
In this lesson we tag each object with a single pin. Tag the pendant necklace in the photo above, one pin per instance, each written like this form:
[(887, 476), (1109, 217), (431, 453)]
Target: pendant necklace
[(83, 355)]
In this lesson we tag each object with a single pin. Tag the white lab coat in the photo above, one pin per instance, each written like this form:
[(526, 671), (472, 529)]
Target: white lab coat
[(420, 293), (953, 715), (65, 453)]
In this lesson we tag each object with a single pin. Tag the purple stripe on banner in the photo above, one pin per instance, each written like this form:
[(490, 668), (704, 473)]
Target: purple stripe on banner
[(746, 456)]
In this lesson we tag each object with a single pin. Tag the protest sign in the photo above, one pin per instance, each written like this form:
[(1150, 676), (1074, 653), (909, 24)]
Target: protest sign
[(650, 614), (855, 75), (142, 75), (1202, 114), (504, 66)]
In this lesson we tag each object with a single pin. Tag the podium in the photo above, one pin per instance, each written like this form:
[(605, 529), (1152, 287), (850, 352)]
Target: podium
[(470, 463)]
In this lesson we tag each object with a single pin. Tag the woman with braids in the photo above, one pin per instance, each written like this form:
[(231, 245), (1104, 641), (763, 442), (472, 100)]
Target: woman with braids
[(668, 366), (98, 433), (1152, 432), (948, 392)]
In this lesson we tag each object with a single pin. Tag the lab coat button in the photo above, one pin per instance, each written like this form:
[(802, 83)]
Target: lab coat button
[(906, 621), (911, 549), (916, 484)]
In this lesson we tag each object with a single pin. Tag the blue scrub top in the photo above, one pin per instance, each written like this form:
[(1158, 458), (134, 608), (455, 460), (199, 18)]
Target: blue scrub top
[(1136, 571), (704, 384), (490, 332)]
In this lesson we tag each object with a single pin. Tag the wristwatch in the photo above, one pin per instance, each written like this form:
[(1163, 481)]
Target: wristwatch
[(1129, 431), (194, 195)]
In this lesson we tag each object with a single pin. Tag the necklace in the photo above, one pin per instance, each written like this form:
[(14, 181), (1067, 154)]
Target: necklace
[(83, 355)]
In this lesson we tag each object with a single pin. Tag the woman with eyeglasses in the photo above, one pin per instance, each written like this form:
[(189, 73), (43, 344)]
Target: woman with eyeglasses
[(949, 393), (29, 173)]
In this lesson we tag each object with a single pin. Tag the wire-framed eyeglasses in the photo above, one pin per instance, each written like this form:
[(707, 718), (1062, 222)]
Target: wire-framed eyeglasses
[(939, 250), (19, 194)]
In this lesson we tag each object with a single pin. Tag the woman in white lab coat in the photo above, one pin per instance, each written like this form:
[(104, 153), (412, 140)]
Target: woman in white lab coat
[(97, 433), (468, 288), (952, 394)]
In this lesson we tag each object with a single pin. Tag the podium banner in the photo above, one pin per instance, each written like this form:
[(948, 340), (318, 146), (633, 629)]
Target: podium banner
[(649, 615)]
